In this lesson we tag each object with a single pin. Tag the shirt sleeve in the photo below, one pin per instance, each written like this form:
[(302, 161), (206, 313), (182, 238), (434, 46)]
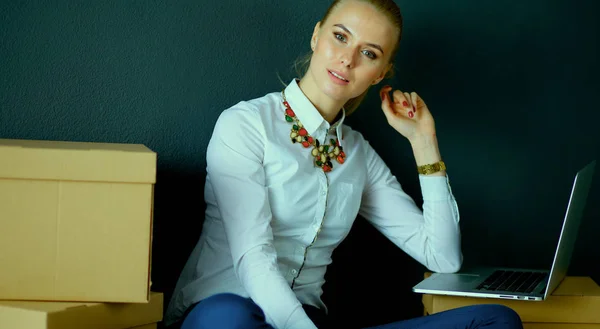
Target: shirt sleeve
[(432, 235), (235, 169)]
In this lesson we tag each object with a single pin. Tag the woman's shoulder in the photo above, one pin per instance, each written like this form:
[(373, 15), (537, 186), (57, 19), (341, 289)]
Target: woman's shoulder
[(248, 114), (256, 106), (357, 142), (351, 136)]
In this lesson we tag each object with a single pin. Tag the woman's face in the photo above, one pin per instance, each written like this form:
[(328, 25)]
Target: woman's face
[(352, 50)]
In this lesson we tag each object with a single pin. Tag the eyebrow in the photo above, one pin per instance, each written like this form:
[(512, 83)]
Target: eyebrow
[(376, 46)]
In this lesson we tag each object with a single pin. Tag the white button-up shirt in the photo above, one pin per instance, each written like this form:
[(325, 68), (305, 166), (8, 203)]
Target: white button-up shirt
[(273, 218)]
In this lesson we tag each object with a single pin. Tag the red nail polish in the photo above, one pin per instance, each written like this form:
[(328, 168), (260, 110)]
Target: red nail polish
[(405, 103), (411, 114)]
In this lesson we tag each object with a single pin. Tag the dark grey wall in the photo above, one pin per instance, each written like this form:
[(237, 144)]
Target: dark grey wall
[(512, 85)]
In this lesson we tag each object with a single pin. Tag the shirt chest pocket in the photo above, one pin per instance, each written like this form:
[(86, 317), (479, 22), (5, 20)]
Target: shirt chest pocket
[(343, 203)]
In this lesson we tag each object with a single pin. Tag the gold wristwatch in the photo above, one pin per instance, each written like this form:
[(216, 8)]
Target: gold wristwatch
[(429, 169)]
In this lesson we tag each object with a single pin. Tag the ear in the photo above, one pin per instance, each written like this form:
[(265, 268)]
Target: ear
[(315, 36), (383, 74)]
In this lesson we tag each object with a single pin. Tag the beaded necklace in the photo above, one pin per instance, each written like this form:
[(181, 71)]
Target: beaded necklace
[(323, 154)]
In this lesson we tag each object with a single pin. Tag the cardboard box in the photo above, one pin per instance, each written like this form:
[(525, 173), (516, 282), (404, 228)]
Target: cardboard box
[(574, 304), (64, 315), (76, 221)]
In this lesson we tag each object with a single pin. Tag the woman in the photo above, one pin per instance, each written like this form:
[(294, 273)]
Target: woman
[(286, 179)]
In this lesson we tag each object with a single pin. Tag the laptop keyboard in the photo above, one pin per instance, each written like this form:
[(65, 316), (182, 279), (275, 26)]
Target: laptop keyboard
[(512, 281)]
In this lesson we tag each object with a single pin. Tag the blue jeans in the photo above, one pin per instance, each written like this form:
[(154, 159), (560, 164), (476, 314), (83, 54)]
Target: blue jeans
[(229, 311)]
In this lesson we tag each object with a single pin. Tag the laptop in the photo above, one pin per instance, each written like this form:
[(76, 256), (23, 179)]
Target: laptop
[(518, 283)]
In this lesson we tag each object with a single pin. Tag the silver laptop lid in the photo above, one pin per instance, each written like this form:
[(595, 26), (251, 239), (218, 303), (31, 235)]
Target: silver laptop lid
[(570, 228)]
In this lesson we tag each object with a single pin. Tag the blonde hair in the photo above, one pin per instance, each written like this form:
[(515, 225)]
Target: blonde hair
[(386, 7)]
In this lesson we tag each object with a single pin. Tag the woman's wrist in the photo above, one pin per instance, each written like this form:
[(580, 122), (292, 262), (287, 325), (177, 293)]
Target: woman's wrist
[(426, 151)]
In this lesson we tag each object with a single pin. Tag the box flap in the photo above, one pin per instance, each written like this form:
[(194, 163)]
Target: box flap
[(62, 315), (78, 161)]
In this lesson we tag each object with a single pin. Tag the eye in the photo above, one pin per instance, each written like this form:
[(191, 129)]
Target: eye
[(369, 54), (340, 36)]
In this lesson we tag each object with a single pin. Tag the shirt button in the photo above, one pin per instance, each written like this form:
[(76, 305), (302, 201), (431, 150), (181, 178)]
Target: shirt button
[(294, 272), (324, 193)]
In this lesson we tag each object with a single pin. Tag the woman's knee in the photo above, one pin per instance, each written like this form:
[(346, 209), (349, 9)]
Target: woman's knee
[(224, 311), (499, 314)]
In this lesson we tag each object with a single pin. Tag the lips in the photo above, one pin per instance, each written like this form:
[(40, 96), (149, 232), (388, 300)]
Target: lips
[(339, 75)]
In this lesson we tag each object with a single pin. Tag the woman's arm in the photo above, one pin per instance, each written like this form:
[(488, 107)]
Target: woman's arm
[(235, 170), (432, 235)]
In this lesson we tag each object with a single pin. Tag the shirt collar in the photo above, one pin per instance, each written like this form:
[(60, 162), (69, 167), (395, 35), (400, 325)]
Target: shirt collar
[(338, 126), (308, 114)]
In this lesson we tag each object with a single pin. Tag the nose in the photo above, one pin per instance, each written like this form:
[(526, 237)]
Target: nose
[(347, 57)]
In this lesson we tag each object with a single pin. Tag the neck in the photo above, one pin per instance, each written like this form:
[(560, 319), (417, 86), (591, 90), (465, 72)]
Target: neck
[(328, 107)]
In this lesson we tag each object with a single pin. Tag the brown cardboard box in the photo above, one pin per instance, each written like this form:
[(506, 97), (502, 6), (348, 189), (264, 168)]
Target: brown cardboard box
[(76, 221), (574, 304), (65, 315)]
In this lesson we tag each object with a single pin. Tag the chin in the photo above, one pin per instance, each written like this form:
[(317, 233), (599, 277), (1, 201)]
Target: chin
[(334, 92), (338, 92)]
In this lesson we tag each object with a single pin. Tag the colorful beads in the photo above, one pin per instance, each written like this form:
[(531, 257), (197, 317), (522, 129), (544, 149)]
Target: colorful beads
[(322, 154)]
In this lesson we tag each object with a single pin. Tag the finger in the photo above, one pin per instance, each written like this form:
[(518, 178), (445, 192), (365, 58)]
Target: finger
[(386, 103), (385, 98), (407, 96), (410, 102), (404, 103), (415, 100), (390, 106), (400, 99), (419, 102), (383, 93)]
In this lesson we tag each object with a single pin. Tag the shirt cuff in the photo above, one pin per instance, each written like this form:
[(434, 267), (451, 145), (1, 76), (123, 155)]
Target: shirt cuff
[(299, 320), (435, 188)]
